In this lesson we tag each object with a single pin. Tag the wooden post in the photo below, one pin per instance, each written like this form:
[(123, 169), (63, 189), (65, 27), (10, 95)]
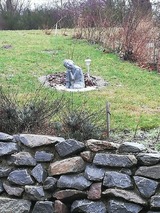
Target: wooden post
[(108, 114)]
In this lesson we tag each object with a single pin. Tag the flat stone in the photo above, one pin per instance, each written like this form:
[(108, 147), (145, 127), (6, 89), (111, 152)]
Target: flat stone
[(113, 160), (146, 187), (94, 192), (5, 137), (7, 148), (87, 206), (70, 165), (131, 147), (148, 159), (73, 181), (69, 195), (69, 147), (43, 207), (4, 171), (153, 212), (39, 173), (42, 156), (60, 207), (20, 177), (130, 196), (31, 140), (117, 179), (35, 193), (99, 145), (87, 156), (94, 173), (22, 159), (50, 183), (149, 171), (155, 202), (11, 190), (14, 205), (116, 206)]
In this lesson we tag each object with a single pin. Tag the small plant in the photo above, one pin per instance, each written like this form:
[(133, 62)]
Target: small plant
[(32, 116), (81, 123)]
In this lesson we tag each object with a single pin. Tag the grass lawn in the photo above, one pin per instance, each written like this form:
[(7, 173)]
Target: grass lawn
[(133, 93)]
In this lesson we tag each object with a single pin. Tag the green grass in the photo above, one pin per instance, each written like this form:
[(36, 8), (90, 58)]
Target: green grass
[(134, 93)]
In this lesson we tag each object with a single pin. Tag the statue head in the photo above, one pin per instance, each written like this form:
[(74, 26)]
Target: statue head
[(69, 64)]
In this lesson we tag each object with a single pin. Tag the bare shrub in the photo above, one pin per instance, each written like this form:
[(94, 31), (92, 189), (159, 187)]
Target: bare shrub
[(81, 122), (31, 116)]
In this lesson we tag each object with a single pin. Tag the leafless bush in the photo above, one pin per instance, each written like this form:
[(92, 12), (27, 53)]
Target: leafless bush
[(30, 116)]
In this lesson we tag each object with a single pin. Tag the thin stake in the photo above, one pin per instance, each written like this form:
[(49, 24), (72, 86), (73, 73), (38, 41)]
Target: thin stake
[(108, 114)]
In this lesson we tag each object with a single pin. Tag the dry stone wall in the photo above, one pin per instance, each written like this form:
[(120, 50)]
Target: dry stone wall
[(46, 174)]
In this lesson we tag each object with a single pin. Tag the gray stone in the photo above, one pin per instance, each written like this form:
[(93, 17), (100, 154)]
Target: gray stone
[(43, 207), (146, 187), (116, 206), (69, 147), (130, 196), (88, 206), (149, 171), (153, 212), (22, 159), (5, 137), (94, 173), (95, 191), (148, 159), (73, 181), (12, 190), (8, 205), (4, 171), (50, 183), (155, 202), (60, 207), (1, 187), (31, 140), (35, 193), (87, 156), (42, 156), (20, 177), (117, 179), (69, 195), (99, 145), (131, 147), (39, 173), (7, 148), (114, 160), (69, 165)]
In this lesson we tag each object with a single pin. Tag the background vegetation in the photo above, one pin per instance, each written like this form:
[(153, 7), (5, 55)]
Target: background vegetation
[(133, 92)]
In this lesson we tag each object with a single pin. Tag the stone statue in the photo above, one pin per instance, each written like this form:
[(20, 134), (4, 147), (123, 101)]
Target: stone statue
[(74, 75)]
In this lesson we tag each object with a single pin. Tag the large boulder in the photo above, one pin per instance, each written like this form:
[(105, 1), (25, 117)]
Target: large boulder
[(8, 148), (116, 206), (73, 181), (43, 207), (20, 177), (69, 165), (146, 187), (113, 160), (88, 206), (31, 140), (14, 205), (118, 180), (22, 159), (69, 147), (149, 171)]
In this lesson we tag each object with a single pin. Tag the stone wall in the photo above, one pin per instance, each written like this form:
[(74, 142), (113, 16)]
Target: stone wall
[(46, 174)]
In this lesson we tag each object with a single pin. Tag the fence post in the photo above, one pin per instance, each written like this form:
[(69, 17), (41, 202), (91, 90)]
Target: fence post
[(108, 114)]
